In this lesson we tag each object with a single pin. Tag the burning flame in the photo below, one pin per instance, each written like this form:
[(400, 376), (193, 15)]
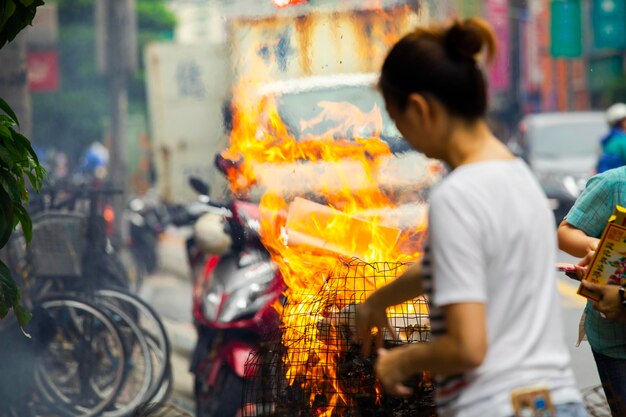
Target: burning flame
[(260, 137), (352, 217)]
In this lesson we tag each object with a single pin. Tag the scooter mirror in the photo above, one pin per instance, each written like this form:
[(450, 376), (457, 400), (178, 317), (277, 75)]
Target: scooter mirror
[(199, 186)]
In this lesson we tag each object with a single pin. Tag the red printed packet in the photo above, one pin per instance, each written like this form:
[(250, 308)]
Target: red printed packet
[(608, 265), (565, 267)]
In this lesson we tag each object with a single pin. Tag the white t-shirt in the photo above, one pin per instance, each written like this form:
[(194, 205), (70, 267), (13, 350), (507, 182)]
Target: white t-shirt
[(492, 241)]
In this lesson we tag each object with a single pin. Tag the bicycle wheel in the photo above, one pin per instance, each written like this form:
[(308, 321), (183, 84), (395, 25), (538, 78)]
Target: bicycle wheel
[(166, 387), (153, 330), (135, 270), (83, 367), (139, 371)]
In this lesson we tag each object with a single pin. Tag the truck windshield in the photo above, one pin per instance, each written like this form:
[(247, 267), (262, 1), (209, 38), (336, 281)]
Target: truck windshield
[(343, 113)]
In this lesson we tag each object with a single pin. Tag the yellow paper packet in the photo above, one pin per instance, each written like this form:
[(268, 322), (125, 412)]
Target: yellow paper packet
[(608, 265)]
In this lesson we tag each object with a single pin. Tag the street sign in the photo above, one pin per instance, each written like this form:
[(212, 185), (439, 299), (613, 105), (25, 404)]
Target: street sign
[(566, 28), (604, 71), (609, 24), (42, 70)]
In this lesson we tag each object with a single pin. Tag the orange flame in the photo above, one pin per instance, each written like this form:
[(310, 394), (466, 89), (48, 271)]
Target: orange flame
[(354, 216)]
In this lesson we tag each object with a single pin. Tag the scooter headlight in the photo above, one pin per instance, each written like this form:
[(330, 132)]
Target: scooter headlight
[(211, 303)]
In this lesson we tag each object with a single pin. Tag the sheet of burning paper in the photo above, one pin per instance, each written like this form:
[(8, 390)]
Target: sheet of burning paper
[(308, 225)]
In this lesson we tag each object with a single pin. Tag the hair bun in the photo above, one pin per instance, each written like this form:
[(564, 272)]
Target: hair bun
[(465, 39)]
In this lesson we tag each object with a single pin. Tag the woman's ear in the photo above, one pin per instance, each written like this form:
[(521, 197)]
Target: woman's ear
[(420, 109)]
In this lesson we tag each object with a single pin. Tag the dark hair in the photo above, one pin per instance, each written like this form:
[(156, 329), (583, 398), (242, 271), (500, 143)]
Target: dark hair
[(441, 61)]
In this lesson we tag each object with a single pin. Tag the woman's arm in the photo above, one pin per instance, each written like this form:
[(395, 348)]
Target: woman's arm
[(462, 349), (574, 241), (588, 216), (404, 288), (373, 311)]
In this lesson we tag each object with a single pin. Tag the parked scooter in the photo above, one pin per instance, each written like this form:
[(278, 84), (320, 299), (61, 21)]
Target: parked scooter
[(232, 301), (145, 219)]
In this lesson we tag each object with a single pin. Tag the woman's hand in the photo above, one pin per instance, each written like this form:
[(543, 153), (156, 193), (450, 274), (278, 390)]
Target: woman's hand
[(391, 371), (591, 251), (578, 273), (581, 268), (369, 315), (610, 303)]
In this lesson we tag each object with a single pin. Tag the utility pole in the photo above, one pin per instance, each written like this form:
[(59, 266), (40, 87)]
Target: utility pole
[(117, 59)]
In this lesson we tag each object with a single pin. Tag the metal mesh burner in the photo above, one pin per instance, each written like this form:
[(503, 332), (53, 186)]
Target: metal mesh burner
[(311, 365)]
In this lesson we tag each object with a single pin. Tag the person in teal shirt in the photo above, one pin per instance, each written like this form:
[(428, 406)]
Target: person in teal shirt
[(613, 153), (579, 235)]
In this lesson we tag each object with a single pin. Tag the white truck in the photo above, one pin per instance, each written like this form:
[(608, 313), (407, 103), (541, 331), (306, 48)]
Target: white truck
[(187, 86)]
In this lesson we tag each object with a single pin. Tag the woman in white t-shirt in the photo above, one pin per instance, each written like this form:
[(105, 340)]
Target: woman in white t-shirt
[(488, 266)]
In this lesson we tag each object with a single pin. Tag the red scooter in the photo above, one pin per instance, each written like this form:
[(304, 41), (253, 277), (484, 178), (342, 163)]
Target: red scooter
[(233, 294)]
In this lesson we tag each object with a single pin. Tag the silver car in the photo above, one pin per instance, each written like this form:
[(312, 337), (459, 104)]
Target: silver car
[(562, 150)]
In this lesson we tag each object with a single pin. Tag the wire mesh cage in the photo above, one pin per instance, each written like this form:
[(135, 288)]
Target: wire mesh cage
[(58, 244), (312, 366)]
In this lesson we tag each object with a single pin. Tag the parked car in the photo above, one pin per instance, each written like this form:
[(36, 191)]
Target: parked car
[(562, 150)]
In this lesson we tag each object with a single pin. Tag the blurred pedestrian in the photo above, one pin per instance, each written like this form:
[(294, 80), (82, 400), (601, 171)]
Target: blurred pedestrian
[(488, 267), (94, 163), (613, 145), (579, 235)]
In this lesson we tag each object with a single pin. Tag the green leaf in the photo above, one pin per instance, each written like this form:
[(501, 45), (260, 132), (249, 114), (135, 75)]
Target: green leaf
[(22, 17), (9, 293), (6, 159), (33, 179), (41, 174), (11, 297), (6, 12), (26, 2), (27, 223), (16, 154), (7, 210), (23, 316), (5, 132), (6, 120), (4, 106), (11, 187), (25, 143)]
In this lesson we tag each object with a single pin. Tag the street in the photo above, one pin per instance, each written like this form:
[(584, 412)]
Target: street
[(572, 306), (169, 292)]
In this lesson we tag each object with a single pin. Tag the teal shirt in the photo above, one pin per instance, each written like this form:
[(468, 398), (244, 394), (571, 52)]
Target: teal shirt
[(590, 214)]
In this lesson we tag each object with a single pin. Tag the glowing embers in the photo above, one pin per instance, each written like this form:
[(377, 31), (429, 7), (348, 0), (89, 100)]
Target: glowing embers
[(311, 366)]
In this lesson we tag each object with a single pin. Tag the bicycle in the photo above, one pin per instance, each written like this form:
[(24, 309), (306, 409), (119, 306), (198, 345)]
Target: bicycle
[(69, 252)]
